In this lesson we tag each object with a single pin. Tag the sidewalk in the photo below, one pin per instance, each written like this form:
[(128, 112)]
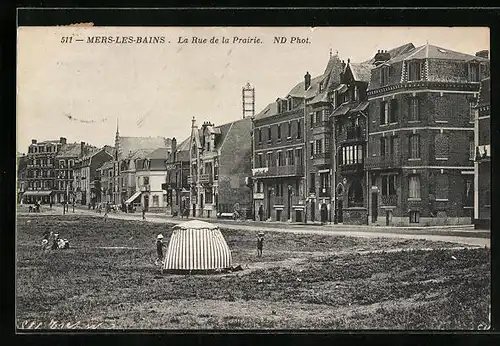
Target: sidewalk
[(455, 235)]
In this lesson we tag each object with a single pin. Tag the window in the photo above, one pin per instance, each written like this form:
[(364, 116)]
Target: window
[(355, 194), (290, 158), (319, 146), (384, 112), (279, 190), (388, 185), (312, 182), (319, 116), (299, 156), (352, 154), (414, 216), (472, 111), (414, 70), (393, 145), (394, 111), (269, 134), (259, 186), (472, 150), (414, 146), (311, 119), (299, 129), (279, 131), (290, 104), (156, 201), (259, 135), (327, 144), (311, 146), (280, 159), (356, 93), (414, 110), (289, 130), (259, 161), (382, 146), (146, 180), (414, 186), (269, 159), (474, 72), (384, 75), (208, 195), (324, 180)]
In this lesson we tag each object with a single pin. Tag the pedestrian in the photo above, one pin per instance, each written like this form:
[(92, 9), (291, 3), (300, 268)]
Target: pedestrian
[(261, 212), (260, 243), (50, 203), (73, 206), (144, 213), (159, 249), (106, 208)]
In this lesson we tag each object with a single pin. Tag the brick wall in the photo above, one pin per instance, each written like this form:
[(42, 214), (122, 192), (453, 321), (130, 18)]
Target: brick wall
[(484, 131)]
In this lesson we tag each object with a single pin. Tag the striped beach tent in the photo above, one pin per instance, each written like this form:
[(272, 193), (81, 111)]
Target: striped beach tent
[(197, 247)]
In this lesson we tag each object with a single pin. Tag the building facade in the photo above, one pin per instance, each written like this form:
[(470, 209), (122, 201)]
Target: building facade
[(151, 173), (87, 186), (482, 164), (421, 136), (349, 133), (106, 180), (41, 172), (176, 184), (220, 163), (21, 166)]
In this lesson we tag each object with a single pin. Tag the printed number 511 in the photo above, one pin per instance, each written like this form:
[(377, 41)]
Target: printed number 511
[(66, 39)]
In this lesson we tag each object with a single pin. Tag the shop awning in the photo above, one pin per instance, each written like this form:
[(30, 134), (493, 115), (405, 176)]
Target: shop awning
[(37, 193), (133, 198)]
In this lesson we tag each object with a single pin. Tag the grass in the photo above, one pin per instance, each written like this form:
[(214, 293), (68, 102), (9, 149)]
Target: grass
[(303, 281)]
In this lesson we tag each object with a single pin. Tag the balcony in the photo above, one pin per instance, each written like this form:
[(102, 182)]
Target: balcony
[(321, 127), (383, 162), (352, 168), (278, 171), (390, 200), (258, 195), (145, 188), (321, 159), (206, 178)]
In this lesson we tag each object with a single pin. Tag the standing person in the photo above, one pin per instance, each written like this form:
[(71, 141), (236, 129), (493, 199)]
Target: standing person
[(260, 243), (50, 203), (159, 249), (73, 206), (106, 208), (144, 213), (261, 212)]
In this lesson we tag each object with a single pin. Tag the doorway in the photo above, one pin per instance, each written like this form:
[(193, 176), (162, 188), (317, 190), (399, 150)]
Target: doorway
[(289, 208), (324, 213), (298, 215), (201, 205), (268, 211), (340, 211), (374, 207), (146, 203)]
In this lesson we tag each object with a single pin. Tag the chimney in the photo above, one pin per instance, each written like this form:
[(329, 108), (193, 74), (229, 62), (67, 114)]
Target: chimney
[(381, 57), (483, 54), (62, 140), (174, 145), (307, 81), (33, 141), (82, 149)]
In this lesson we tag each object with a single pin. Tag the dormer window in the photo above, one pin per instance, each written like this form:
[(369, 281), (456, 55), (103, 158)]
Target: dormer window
[(384, 75), (473, 72), (290, 104), (414, 70)]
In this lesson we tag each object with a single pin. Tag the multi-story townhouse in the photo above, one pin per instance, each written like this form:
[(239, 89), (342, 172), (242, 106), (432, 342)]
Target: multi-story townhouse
[(421, 136), (85, 173), (65, 159), (41, 178), (349, 121), (128, 176), (105, 173), (482, 164), (178, 169), (319, 162), (125, 147), (220, 163), (279, 156), (151, 173)]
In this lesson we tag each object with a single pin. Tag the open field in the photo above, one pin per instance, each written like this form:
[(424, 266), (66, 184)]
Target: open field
[(108, 280)]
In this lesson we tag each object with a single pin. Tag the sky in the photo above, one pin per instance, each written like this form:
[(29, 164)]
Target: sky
[(81, 90)]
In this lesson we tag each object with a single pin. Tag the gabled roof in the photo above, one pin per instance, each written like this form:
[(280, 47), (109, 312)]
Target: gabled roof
[(484, 93), (139, 154), (184, 146), (69, 150), (106, 165), (360, 72), (270, 110)]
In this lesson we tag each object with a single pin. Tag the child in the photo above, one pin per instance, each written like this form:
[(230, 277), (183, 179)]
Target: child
[(159, 248), (55, 242), (260, 243)]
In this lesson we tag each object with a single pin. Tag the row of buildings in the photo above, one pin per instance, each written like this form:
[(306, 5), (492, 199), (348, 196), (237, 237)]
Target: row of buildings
[(399, 139), (388, 141)]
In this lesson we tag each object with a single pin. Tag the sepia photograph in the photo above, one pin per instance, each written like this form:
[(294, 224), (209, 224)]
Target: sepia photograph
[(253, 178)]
